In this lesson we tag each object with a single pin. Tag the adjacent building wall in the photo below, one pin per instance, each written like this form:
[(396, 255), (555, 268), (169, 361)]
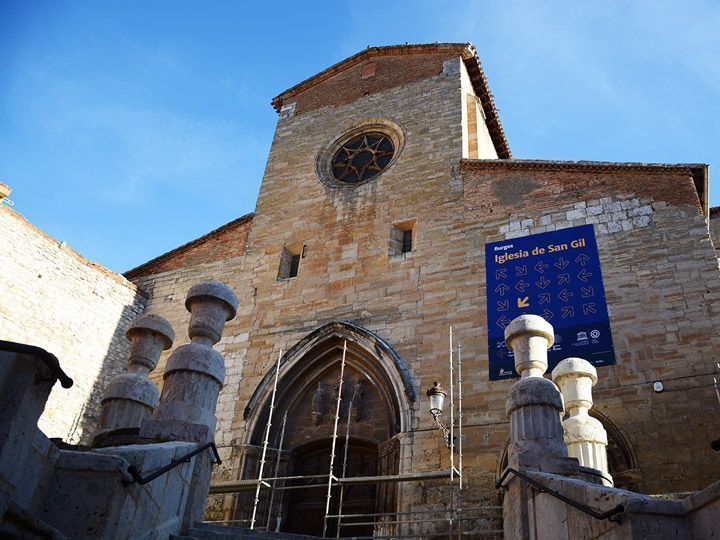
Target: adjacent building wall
[(55, 299)]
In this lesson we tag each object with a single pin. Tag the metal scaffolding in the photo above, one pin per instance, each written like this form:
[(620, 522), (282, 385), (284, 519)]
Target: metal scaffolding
[(455, 516), (260, 482)]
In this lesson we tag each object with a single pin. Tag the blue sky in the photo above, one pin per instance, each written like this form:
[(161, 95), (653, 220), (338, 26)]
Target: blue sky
[(129, 128)]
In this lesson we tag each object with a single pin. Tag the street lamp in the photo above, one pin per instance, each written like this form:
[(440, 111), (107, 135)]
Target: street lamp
[(436, 395)]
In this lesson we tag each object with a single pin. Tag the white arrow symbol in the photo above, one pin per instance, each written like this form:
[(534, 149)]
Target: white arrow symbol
[(582, 259), (564, 295), (502, 289), (521, 286), (584, 275), (587, 292), (542, 282), (502, 322)]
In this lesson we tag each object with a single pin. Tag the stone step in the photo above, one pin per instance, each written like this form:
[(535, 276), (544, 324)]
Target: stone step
[(212, 531)]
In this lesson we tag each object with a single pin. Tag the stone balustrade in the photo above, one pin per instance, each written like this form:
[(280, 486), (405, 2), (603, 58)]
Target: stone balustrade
[(584, 435), (131, 397), (195, 372), (534, 404)]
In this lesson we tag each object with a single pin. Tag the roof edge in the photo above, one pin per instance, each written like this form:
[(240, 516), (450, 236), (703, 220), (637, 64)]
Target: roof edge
[(698, 171), (70, 251), (466, 51), (138, 270)]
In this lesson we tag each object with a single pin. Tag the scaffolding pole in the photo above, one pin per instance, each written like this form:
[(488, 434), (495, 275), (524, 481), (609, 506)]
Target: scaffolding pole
[(345, 455), (460, 436), (452, 435), (266, 442), (334, 439), (277, 470)]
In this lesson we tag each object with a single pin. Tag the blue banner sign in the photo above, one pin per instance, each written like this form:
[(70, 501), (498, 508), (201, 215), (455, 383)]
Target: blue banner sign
[(555, 275)]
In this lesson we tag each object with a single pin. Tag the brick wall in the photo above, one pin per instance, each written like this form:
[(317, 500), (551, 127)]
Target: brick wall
[(55, 299), (376, 74), (223, 243)]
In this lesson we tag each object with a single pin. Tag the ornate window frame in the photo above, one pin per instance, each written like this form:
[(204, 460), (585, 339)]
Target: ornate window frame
[(387, 127)]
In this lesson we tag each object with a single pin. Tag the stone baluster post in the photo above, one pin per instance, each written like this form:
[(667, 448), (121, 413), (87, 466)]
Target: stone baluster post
[(195, 372), (534, 404), (132, 397), (193, 378), (585, 436)]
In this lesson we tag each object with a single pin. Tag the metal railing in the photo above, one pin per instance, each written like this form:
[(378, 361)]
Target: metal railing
[(142, 480), (49, 359), (610, 515)]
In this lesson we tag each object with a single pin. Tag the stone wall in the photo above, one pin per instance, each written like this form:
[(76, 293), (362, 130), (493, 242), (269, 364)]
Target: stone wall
[(76, 309), (662, 287), (661, 278), (715, 228)]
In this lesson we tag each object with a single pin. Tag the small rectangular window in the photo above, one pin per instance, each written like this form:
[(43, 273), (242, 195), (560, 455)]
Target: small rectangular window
[(407, 241), (402, 237), (290, 261), (294, 264)]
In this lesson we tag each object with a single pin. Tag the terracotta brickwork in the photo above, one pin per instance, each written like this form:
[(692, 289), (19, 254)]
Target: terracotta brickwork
[(369, 77), (537, 185), (223, 243), (660, 271)]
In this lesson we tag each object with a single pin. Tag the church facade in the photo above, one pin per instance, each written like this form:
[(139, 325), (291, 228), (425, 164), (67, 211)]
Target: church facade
[(388, 175)]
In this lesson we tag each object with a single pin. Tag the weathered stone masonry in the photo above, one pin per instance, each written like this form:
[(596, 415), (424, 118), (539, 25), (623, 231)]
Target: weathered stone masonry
[(56, 299), (659, 267)]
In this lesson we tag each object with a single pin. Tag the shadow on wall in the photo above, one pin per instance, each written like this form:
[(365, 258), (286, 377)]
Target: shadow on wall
[(113, 363)]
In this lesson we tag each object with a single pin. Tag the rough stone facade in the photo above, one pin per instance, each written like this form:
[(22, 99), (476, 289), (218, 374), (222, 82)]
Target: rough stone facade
[(715, 228), (660, 273), (55, 299)]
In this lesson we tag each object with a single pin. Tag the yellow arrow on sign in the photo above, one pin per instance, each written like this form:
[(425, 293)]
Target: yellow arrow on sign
[(523, 302)]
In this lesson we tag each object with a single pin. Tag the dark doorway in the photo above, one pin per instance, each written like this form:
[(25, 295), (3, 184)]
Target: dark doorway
[(305, 508)]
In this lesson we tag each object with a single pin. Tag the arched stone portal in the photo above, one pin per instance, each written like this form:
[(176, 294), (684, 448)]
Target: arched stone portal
[(377, 384)]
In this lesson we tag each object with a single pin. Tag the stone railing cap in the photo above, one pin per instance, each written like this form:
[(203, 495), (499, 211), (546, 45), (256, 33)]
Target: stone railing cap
[(576, 367), (532, 325), (154, 323), (216, 290)]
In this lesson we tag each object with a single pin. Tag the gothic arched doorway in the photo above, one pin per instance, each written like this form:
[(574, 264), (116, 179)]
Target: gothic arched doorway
[(306, 507), (374, 409)]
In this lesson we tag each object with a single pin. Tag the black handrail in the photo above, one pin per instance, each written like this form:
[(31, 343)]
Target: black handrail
[(137, 478), (49, 359), (610, 515)]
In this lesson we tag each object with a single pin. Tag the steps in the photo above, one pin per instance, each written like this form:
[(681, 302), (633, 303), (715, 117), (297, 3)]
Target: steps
[(211, 531)]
